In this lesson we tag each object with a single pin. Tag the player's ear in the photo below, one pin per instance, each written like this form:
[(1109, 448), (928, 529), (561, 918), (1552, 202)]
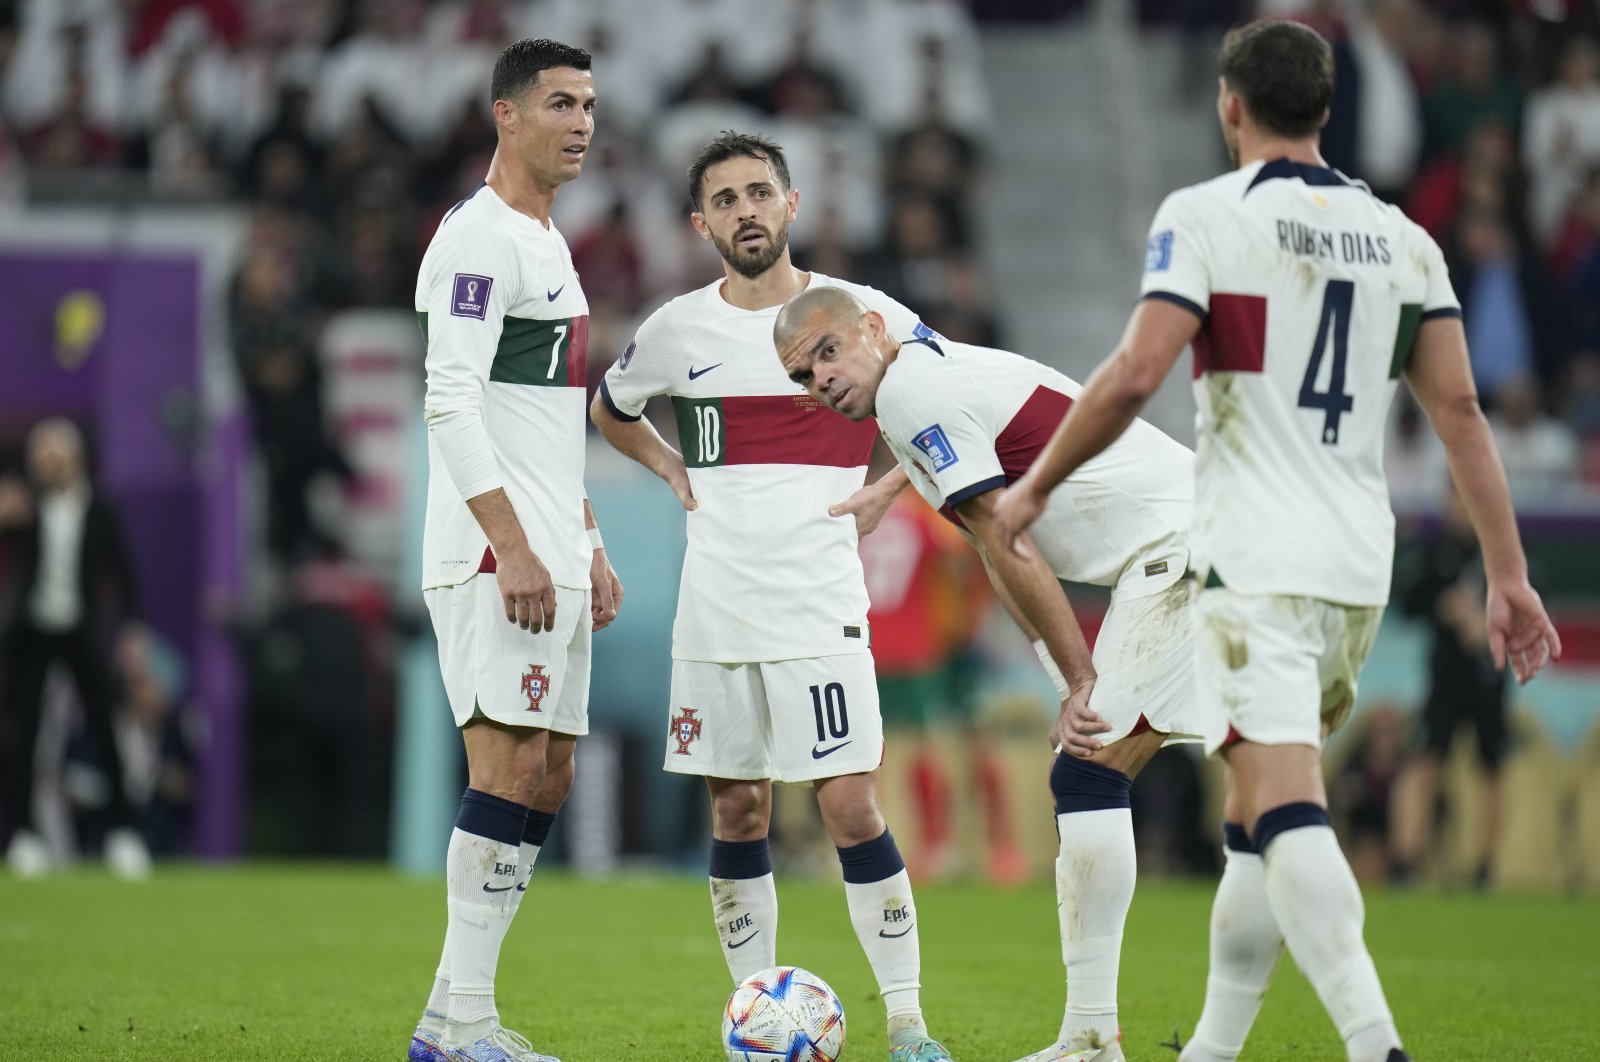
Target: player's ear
[(794, 202), (877, 327), (1323, 121), (505, 116), (698, 220)]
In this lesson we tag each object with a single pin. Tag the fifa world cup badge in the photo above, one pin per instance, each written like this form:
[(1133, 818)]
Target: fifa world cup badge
[(535, 684), (685, 728)]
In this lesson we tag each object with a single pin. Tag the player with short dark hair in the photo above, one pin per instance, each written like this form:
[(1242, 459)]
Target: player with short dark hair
[(963, 421), (1306, 299), (772, 676), (514, 573)]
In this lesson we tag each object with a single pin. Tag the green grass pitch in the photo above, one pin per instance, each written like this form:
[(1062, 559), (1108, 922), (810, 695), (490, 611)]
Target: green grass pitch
[(315, 962)]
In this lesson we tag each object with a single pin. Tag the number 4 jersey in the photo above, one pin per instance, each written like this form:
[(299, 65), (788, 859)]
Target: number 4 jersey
[(507, 329), (768, 575), (1310, 292)]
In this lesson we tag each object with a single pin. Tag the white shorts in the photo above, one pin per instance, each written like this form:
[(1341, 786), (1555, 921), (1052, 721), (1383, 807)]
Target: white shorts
[(1144, 660), (788, 720), (494, 668), (1275, 670)]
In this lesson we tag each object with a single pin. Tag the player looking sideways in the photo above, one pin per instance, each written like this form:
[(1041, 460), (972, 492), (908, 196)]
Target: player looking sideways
[(771, 673), (963, 420), (514, 573), (1305, 299)]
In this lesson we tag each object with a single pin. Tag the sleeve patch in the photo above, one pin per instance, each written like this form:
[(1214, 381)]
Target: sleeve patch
[(933, 442), (470, 297), (627, 356), (1158, 252)]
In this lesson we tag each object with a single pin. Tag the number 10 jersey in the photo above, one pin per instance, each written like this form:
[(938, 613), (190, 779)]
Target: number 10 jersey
[(1310, 292), (768, 575)]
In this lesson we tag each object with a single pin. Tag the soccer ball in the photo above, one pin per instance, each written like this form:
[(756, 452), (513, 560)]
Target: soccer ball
[(784, 1014)]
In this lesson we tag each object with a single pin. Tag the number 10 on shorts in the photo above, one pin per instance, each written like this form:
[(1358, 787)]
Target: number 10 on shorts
[(827, 702)]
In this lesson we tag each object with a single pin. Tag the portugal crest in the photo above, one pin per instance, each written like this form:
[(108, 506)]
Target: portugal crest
[(685, 728), (535, 684)]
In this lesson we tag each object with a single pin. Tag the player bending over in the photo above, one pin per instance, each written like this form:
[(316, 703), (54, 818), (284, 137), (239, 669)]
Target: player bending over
[(963, 421)]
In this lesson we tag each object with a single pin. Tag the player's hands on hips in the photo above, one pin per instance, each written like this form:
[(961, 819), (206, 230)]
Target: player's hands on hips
[(677, 478), (1520, 631), (1019, 506), (1077, 724), (605, 591), (526, 590), (867, 505)]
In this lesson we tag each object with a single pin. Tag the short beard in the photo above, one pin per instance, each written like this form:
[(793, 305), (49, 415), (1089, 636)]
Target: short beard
[(751, 266)]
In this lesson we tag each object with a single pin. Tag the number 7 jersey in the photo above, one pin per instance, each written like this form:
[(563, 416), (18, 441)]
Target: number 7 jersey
[(1310, 291)]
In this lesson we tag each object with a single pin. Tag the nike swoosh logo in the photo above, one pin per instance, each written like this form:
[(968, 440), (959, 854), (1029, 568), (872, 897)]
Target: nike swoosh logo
[(523, 887), (741, 943), (550, 296), (695, 374), (817, 751), (903, 932), (490, 888)]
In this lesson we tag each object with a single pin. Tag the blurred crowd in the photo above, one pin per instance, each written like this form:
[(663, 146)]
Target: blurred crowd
[(348, 129), (345, 129)]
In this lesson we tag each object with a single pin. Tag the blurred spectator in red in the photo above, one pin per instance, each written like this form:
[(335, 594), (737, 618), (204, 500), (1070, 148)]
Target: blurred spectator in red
[(1579, 237), (607, 256), (1489, 158), (70, 138), (1562, 142)]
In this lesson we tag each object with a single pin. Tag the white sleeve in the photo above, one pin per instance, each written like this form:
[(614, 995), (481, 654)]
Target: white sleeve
[(947, 431), (646, 369), (465, 303), (1439, 296), (1178, 255)]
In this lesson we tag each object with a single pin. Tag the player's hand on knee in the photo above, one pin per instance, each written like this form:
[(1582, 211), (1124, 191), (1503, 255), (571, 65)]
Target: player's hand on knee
[(1075, 727), (526, 590), (1520, 631)]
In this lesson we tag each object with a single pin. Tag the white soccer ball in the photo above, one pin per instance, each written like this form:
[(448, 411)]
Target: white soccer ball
[(784, 1014)]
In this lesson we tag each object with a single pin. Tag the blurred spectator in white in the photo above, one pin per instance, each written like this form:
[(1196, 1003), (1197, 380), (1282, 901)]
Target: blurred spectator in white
[(908, 50), (1389, 111), (1562, 139), (57, 38), (1473, 88), (834, 163), (175, 145), (707, 103), (70, 138), (188, 64), (1539, 452), (462, 39), (378, 68), (1414, 460)]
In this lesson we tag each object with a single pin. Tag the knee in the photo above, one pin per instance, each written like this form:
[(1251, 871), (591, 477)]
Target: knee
[(740, 811), (556, 784), (1080, 785), (854, 821)]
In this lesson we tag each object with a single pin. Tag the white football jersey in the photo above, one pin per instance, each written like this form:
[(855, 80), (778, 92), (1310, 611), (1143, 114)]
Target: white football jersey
[(963, 420), (768, 575), (1310, 291), (507, 328)]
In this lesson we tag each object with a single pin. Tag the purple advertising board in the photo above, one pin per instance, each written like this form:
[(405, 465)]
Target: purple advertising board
[(112, 340)]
